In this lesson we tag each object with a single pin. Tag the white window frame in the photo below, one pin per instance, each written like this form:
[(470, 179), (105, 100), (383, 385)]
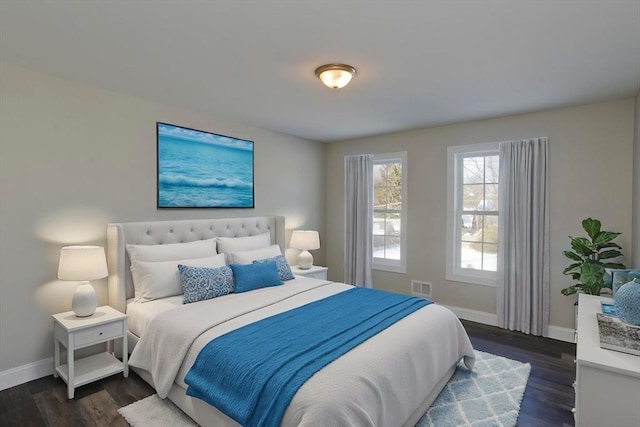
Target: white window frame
[(396, 266), (455, 156)]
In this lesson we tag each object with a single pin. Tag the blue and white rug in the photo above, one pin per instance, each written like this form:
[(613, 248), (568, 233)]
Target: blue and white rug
[(489, 396)]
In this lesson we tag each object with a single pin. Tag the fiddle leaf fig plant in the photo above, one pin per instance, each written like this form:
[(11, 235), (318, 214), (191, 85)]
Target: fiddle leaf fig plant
[(590, 258)]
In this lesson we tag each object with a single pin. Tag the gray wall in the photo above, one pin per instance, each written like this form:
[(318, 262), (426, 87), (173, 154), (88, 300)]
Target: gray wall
[(74, 157), (636, 189), (590, 172)]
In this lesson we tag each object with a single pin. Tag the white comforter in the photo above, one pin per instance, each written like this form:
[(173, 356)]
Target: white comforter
[(379, 383)]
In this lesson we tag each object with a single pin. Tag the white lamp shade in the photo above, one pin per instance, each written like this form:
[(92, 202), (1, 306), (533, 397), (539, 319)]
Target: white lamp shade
[(82, 263), (305, 239)]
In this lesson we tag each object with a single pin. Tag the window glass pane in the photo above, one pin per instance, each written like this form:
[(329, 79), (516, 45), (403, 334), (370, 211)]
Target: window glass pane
[(472, 170), (379, 177), (492, 169), (474, 234), (470, 257), (394, 197), (380, 197), (472, 195), (491, 229), (392, 247), (379, 222), (491, 197), (466, 222), (490, 257), (386, 235), (379, 236), (394, 182)]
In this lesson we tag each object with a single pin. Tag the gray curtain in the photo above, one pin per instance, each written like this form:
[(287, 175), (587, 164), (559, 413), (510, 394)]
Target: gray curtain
[(358, 245), (523, 224)]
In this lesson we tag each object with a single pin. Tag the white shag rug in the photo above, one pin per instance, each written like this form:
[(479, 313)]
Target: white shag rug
[(153, 411)]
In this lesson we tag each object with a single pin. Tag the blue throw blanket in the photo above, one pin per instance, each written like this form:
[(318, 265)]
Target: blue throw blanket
[(252, 373)]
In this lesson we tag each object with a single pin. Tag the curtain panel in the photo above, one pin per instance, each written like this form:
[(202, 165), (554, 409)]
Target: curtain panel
[(358, 244), (523, 224)]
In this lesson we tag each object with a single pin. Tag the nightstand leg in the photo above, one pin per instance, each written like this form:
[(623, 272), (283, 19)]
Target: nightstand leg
[(70, 363), (125, 354), (56, 357)]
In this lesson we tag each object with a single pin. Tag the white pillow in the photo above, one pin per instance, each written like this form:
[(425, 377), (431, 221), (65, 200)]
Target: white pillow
[(170, 251), (235, 244), (247, 257), (161, 279)]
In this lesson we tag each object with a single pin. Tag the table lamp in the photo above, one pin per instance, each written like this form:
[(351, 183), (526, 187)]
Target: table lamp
[(305, 240), (83, 263)]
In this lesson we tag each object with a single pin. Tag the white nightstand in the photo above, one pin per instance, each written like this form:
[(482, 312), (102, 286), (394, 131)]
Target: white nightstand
[(316, 272), (73, 332)]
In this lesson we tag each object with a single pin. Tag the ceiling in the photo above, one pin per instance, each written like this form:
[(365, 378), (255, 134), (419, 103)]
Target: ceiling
[(420, 63)]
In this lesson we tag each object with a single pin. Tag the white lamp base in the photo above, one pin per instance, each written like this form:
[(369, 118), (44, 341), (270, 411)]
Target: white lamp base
[(84, 300), (305, 260)]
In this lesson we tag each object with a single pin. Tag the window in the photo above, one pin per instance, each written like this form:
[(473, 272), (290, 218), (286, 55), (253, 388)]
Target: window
[(472, 225), (389, 207)]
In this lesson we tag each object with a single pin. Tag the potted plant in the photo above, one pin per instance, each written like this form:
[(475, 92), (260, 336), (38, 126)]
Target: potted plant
[(589, 258)]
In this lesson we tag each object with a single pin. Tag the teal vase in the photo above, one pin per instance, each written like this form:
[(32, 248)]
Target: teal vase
[(627, 302)]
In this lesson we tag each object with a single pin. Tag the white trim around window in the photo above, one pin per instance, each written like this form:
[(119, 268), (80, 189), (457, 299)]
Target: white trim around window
[(454, 271), (387, 264)]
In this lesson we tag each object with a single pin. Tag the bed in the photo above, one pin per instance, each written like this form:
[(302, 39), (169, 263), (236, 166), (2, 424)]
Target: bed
[(388, 380)]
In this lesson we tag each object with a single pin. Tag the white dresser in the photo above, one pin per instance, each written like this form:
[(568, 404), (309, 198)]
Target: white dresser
[(607, 381)]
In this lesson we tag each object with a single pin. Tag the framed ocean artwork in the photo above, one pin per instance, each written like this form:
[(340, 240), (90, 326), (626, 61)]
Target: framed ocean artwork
[(198, 169)]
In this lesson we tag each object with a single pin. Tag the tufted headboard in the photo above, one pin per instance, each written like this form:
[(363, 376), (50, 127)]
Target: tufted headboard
[(175, 231)]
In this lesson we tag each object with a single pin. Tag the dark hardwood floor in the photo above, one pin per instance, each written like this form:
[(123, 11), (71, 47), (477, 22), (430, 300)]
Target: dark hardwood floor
[(547, 402)]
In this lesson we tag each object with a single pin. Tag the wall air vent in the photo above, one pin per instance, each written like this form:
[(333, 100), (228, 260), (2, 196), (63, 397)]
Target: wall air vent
[(422, 289)]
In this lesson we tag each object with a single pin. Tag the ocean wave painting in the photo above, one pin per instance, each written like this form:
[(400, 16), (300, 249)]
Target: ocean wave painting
[(199, 169)]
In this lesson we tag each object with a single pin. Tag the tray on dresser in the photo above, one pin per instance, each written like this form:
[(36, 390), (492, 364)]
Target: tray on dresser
[(617, 335)]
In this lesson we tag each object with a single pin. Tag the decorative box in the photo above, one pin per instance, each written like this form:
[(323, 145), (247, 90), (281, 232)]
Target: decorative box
[(617, 335)]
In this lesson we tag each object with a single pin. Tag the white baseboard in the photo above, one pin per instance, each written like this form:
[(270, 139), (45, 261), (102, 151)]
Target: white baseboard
[(25, 373), (555, 332), (474, 315), (562, 334)]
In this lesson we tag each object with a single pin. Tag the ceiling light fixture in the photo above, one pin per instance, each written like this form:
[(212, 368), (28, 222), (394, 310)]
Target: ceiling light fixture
[(335, 76)]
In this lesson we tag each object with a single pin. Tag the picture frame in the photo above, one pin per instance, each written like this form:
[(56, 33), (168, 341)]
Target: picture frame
[(199, 169)]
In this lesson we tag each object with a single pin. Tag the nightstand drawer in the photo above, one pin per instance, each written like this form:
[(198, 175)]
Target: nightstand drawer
[(318, 274), (315, 272), (98, 333)]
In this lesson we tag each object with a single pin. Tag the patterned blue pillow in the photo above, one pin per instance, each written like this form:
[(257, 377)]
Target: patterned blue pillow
[(248, 277), (284, 270), (201, 283)]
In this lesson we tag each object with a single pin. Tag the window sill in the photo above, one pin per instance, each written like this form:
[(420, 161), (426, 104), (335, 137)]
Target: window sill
[(390, 268), (474, 280)]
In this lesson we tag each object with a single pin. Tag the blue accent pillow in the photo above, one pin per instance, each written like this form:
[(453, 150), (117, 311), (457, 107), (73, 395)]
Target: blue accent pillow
[(254, 276), (201, 283), (284, 270)]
